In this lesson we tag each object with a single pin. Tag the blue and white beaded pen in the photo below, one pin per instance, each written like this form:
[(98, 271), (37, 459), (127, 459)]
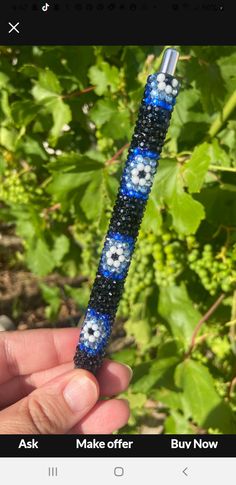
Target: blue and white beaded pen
[(136, 182)]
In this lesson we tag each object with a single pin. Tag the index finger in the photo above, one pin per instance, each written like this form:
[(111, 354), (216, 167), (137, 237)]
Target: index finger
[(27, 351)]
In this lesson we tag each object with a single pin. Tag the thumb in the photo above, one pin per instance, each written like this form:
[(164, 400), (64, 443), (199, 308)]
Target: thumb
[(53, 408)]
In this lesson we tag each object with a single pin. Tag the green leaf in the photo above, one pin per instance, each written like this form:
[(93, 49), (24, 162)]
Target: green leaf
[(218, 155), (99, 79), (51, 294), (103, 76), (176, 423), (93, 208), (49, 81), (167, 179), (140, 329), (67, 182), (40, 258), (187, 213), (29, 70), (152, 219), (33, 147), (220, 205), (153, 374), (102, 111), (4, 80), (196, 167), (8, 138), (61, 247), (206, 406), (118, 126), (47, 92), (177, 309), (23, 112), (137, 400), (76, 162), (207, 77), (227, 68), (61, 114)]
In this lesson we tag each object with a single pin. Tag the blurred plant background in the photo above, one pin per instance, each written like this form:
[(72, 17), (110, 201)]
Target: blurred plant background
[(66, 119)]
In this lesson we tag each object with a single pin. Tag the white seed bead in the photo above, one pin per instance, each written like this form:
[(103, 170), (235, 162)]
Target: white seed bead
[(119, 251), (110, 261), (96, 334), (134, 171), (113, 249), (140, 166), (168, 89), (95, 326), (135, 180), (161, 86), (161, 77), (142, 182), (174, 92), (174, 83), (147, 168), (85, 327), (154, 93), (139, 158), (116, 263), (91, 338), (121, 258), (108, 254), (147, 176), (86, 335), (89, 325)]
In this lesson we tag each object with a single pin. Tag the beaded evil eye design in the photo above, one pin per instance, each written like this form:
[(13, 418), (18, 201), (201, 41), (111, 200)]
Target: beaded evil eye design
[(95, 332), (116, 255), (161, 90), (139, 173)]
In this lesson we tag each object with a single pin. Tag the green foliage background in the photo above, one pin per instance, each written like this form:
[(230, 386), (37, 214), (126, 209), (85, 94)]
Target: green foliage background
[(66, 117)]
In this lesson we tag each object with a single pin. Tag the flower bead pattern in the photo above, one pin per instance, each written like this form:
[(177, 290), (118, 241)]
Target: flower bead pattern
[(161, 90), (95, 332), (139, 173), (116, 256)]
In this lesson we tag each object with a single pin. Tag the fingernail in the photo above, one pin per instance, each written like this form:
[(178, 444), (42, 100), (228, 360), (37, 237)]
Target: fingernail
[(80, 393), (129, 370)]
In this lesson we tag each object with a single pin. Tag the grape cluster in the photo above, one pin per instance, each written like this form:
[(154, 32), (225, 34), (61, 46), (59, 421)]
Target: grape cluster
[(141, 274), (16, 188), (157, 259), (168, 257), (216, 271)]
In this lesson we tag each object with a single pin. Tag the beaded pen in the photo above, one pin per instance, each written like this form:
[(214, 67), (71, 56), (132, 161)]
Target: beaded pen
[(136, 182)]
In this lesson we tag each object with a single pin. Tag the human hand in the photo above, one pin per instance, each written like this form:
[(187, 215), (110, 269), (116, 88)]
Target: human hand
[(41, 392)]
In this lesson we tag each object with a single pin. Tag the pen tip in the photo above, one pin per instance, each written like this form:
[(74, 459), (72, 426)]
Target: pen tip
[(169, 61)]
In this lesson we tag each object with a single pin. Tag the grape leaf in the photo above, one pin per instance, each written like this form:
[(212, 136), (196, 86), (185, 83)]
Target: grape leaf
[(177, 309), (206, 406), (40, 258), (187, 213), (196, 167), (102, 111)]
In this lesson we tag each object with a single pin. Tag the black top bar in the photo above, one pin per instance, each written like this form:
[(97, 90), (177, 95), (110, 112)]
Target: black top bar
[(87, 22)]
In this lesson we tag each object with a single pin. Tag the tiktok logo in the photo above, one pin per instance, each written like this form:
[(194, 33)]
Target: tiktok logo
[(45, 7)]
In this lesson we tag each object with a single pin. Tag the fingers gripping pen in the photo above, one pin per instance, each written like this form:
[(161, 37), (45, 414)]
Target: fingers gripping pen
[(136, 182)]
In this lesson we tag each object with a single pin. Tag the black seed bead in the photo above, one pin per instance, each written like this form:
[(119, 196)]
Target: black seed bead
[(106, 294), (86, 361), (128, 212), (151, 127)]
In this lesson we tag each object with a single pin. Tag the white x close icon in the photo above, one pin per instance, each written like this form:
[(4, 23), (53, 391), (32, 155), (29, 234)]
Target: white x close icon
[(13, 27)]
